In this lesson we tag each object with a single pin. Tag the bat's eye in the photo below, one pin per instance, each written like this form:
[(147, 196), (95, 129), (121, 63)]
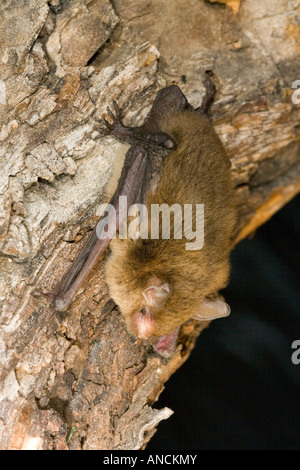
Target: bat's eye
[(143, 311), (169, 143)]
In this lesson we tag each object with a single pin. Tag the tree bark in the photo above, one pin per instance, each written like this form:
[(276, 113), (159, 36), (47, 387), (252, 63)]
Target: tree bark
[(80, 374)]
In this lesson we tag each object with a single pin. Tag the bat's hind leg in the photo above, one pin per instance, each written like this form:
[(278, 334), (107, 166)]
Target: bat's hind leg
[(133, 135), (209, 95)]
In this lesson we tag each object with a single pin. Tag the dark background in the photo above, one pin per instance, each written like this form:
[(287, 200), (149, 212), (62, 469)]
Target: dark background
[(240, 389)]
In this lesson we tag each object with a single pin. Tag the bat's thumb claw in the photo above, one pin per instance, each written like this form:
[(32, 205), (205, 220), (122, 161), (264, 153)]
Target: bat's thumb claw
[(101, 133), (40, 293)]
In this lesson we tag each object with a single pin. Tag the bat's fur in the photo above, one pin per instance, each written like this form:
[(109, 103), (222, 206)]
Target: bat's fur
[(198, 171), (175, 157)]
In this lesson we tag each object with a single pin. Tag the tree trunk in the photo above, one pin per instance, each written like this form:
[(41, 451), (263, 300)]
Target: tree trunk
[(62, 63)]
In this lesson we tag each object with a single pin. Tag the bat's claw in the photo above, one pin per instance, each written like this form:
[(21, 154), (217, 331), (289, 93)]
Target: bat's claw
[(117, 109), (114, 127), (209, 86), (210, 90), (107, 124)]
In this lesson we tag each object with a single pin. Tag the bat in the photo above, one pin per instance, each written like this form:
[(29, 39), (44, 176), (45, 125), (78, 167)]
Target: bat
[(175, 160)]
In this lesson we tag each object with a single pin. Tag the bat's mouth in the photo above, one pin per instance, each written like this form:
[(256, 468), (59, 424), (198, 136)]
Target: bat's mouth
[(166, 345)]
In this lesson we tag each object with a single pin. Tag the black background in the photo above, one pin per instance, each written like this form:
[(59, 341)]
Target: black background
[(240, 389)]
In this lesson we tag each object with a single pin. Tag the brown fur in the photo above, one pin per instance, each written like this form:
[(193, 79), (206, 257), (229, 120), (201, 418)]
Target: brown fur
[(198, 171)]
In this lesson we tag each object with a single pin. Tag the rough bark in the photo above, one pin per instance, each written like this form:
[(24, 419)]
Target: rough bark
[(62, 63)]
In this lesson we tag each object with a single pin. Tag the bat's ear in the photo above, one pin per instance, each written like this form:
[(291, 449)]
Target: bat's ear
[(210, 309), (157, 292)]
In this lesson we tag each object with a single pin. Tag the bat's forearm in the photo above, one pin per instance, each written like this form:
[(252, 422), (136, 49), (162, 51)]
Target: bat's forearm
[(132, 178), (78, 272)]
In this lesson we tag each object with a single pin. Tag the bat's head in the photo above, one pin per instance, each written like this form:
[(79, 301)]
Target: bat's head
[(155, 304), (140, 298)]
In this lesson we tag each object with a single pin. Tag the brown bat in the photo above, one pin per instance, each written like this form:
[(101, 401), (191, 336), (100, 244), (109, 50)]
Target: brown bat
[(176, 159)]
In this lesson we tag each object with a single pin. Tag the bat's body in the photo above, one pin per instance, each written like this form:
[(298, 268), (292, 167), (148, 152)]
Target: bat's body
[(158, 284)]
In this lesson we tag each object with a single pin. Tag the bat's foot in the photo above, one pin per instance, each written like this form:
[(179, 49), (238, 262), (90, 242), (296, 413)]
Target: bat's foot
[(115, 127), (209, 94), (133, 135)]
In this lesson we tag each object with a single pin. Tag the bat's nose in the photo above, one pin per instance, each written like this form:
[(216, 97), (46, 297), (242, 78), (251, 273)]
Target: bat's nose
[(143, 325)]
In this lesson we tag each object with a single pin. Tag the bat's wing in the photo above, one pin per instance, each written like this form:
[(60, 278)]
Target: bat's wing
[(134, 173)]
